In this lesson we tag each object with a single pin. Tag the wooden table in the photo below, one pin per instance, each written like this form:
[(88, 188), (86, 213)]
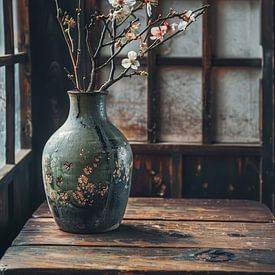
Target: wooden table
[(183, 236)]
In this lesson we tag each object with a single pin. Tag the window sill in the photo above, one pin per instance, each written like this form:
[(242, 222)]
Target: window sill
[(7, 171)]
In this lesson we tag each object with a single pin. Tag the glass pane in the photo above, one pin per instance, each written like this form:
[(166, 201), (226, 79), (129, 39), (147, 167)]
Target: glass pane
[(15, 25), (127, 106), (132, 46), (2, 117), (17, 110), (237, 28), (188, 43), (181, 104), (2, 41), (237, 104)]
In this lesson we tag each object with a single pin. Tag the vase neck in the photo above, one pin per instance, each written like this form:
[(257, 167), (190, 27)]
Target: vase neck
[(92, 105)]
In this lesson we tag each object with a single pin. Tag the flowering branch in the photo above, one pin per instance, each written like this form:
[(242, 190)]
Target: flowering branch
[(159, 31)]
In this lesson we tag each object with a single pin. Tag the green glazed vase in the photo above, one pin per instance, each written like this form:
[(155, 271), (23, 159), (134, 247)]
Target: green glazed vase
[(87, 168)]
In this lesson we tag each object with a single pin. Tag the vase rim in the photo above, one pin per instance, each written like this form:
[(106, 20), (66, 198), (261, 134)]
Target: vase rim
[(95, 92)]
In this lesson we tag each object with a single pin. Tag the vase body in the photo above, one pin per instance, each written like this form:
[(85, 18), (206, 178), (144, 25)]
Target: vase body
[(87, 168)]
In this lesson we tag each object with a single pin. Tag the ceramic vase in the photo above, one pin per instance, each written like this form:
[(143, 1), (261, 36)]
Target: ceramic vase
[(87, 168)]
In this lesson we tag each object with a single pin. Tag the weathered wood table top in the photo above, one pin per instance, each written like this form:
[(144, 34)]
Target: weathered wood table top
[(183, 236)]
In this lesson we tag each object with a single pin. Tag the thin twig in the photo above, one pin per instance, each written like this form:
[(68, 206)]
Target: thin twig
[(140, 6), (70, 76), (91, 85), (112, 51), (79, 35), (68, 46), (101, 39), (171, 36)]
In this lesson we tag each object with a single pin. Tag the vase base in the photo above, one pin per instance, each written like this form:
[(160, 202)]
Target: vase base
[(85, 231)]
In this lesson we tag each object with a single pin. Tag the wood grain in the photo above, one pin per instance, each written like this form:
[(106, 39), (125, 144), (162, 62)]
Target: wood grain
[(110, 260), (164, 236), (189, 209), (135, 233)]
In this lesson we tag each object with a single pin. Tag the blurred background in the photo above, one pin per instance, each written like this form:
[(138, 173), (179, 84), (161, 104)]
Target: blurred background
[(200, 126)]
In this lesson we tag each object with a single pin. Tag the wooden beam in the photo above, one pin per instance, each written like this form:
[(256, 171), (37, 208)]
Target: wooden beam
[(10, 112), (215, 62), (197, 149), (10, 59), (207, 110), (268, 98), (153, 96)]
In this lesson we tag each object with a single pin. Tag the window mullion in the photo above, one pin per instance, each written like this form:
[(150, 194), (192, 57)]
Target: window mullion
[(207, 127), (153, 100), (10, 112)]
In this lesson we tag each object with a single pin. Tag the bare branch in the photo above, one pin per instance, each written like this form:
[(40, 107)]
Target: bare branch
[(68, 45), (99, 47), (112, 51), (79, 35), (91, 85)]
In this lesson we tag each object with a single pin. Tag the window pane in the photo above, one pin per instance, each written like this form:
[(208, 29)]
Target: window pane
[(237, 104), (189, 43), (237, 28), (17, 110), (15, 25), (181, 104), (127, 106), (2, 117), (2, 41)]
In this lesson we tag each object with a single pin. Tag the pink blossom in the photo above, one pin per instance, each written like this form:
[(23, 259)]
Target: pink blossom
[(158, 32)]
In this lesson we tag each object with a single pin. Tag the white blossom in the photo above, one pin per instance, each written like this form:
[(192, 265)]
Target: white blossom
[(186, 19), (131, 61), (121, 3)]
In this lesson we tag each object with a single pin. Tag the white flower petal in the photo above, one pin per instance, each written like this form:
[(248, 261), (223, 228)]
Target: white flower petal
[(130, 2), (153, 37), (136, 63), (126, 63), (113, 3), (132, 55), (154, 30), (189, 13), (163, 29), (182, 25), (149, 9), (134, 67)]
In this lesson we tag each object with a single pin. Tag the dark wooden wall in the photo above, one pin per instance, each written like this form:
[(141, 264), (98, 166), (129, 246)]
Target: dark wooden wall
[(171, 170)]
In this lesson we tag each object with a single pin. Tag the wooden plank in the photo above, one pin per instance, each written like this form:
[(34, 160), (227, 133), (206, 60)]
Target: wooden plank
[(87, 260), (188, 209), (152, 176), (221, 177), (133, 233), (198, 149), (268, 98), (10, 59)]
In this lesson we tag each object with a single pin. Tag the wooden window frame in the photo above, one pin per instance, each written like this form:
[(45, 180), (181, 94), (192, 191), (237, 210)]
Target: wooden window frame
[(265, 149), (9, 59)]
